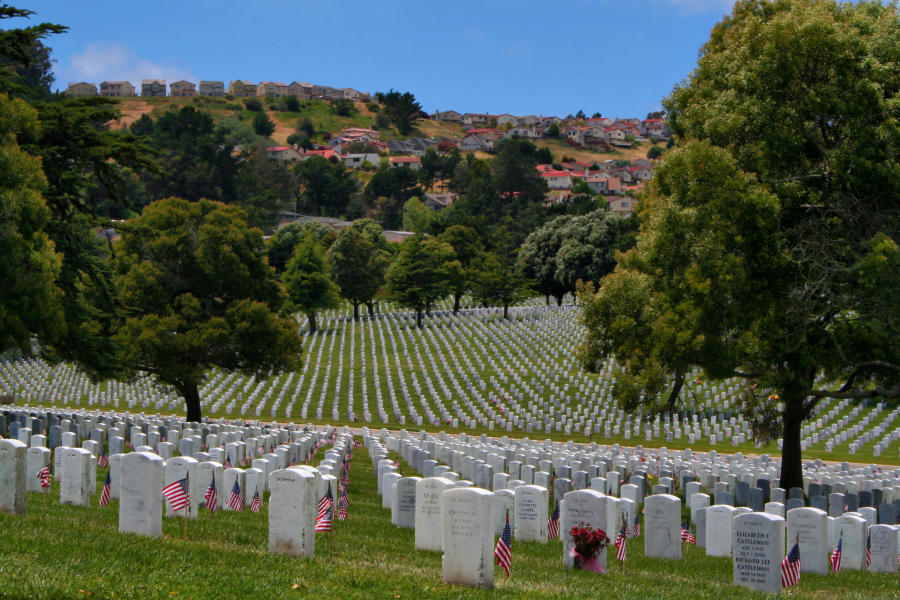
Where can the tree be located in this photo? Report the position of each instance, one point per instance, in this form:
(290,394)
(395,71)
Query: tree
(307,281)
(496,280)
(402,109)
(357,267)
(553,130)
(31,301)
(342,107)
(421,273)
(292,104)
(280,247)
(537,258)
(654,152)
(397,184)
(589,246)
(198,294)
(253,104)
(25,65)
(263,125)
(305,125)
(416,216)
(768,243)
(326,187)
(467,247)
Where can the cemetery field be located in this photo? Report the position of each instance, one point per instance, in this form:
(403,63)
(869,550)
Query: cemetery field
(77,552)
(473,372)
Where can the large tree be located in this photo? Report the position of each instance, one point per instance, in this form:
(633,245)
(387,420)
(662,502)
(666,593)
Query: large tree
(422,273)
(307,281)
(768,244)
(467,247)
(402,109)
(198,293)
(358,267)
(496,278)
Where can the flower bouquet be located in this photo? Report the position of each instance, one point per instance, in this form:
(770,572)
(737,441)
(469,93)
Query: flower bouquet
(588,543)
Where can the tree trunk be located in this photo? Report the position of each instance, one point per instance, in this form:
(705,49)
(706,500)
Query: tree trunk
(791,454)
(191,400)
(559,299)
(547,299)
(506,311)
(456,299)
(419,318)
(676,389)
(356,311)
(311,317)
(371,307)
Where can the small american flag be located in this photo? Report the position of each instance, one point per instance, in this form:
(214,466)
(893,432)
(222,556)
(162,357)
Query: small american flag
(636,528)
(685,530)
(102,460)
(105,492)
(326,511)
(343,503)
(790,567)
(621,543)
(44,476)
(227,464)
(235,498)
(836,557)
(868,550)
(503,551)
(256,503)
(210,494)
(176,493)
(553,524)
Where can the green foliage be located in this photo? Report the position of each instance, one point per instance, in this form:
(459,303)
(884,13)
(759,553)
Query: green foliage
(382,121)
(467,247)
(307,281)
(31,301)
(326,187)
(544,156)
(25,65)
(281,245)
(254,104)
(402,109)
(553,130)
(357,267)
(654,152)
(396,185)
(416,216)
(263,125)
(343,107)
(422,273)
(496,280)
(292,104)
(198,293)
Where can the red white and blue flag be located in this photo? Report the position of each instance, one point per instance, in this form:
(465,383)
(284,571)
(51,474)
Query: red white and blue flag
(553,524)
(44,476)
(102,460)
(621,544)
(177,494)
(235,498)
(326,511)
(836,557)
(503,551)
(210,494)
(790,567)
(256,503)
(105,492)
(636,528)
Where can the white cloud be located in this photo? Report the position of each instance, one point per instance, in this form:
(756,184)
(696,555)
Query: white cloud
(111,62)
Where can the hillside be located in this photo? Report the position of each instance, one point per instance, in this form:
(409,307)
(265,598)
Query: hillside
(324,120)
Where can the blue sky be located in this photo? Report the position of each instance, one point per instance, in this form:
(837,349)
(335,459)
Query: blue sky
(616,57)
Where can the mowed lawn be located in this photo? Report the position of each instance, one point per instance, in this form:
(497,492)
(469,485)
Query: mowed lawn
(77,552)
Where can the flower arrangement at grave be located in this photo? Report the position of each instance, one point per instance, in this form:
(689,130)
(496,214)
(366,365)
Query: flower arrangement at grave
(587,544)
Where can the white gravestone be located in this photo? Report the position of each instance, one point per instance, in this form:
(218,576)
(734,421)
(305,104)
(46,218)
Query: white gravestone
(884,548)
(504,504)
(583,507)
(758,550)
(292,512)
(468,537)
(179,468)
(12,476)
(75,483)
(115,469)
(532,504)
(662,526)
(429,492)
(206,470)
(36,458)
(405,491)
(853,548)
(229,476)
(140,494)
(811,524)
(719,521)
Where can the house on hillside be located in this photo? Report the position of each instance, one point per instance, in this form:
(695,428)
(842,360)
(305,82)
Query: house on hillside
(622,205)
(241,88)
(285,153)
(656,128)
(449,116)
(411,162)
(182,88)
(437,202)
(332,155)
(476,119)
(271,89)
(116,89)
(523,132)
(153,87)
(301,90)
(505,119)
(355,161)
(397,237)
(413,146)
(82,89)
(558,180)
(212,88)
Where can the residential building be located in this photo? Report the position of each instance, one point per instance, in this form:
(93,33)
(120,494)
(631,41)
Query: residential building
(438,202)
(300,89)
(153,87)
(411,162)
(271,89)
(356,161)
(622,205)
(182,89)
(241,88)
(476,119)
(557,180)
(81,89)
(451,116)
(212,88)
(116,89)
(285,153)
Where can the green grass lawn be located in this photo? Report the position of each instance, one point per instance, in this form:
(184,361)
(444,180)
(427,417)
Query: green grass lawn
(77,552)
